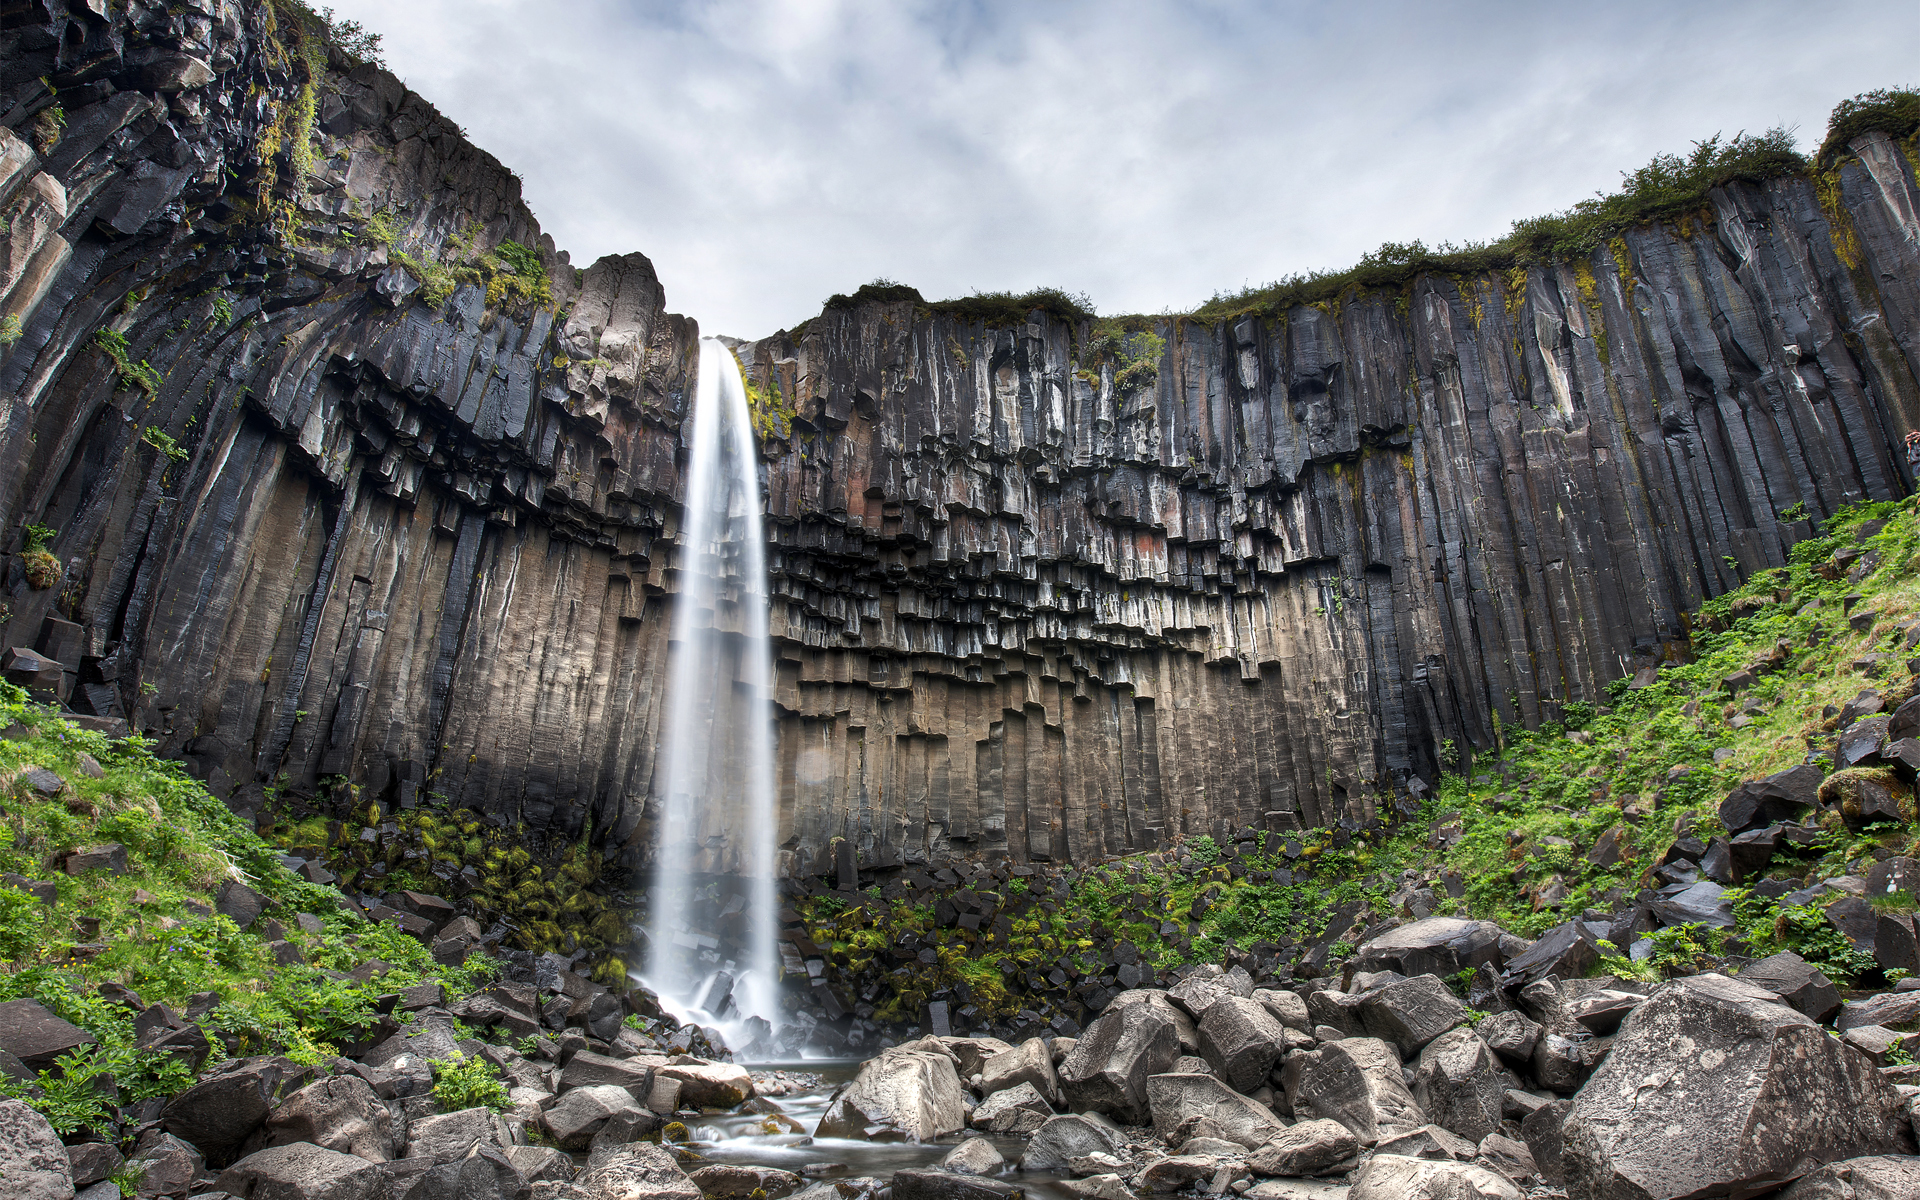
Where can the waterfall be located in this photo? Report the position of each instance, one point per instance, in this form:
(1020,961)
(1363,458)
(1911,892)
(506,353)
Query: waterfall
(718,820)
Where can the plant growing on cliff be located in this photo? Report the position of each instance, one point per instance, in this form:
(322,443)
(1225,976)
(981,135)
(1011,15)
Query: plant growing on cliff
(10,329)
(1893,111)
(132,374)
(41,567)
(162,441)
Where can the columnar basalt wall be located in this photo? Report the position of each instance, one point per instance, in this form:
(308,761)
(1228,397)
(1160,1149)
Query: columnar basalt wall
(360,496)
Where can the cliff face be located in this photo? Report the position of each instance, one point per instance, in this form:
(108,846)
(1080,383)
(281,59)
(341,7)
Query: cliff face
(379,487)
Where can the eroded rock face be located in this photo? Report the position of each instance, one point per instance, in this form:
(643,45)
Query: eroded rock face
(448,523)
(1716,1084)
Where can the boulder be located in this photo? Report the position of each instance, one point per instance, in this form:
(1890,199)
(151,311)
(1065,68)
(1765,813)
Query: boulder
(1893,1010)
(1560,1063)
(1602,1009)
(908,1090)
(444,1137)
(1567,950)
(1242,1040)
(639,1171)
(1065,1138)
(1459,1084)
(1174,1172)
(1017,1110)
(974,1156)
(91,1162)
(1511,1034)
(32,1161)
(1441,946)
(1508,1157)
(1428,1141)
(220,1112)
(972,1053)
(541,1164)
(581,1113)
(1183,1026)
(1175,1099)
(1397,1177)
(304,1172)
(733,1181)
(1545,1132)
(1307,1148)
(1357,1082)
(946,1185)
(1030,1062)
(709,1084)
(1879,1177)
(1287,1008)
(338,1113)
(1783,797)
(1107,1186)
(35,1036)
(586,1069)
(1715,1084)
(1108,1069)
(487,1173)
(1411,1013)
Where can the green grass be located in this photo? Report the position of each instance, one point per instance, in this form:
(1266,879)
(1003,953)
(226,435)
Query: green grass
(150,928)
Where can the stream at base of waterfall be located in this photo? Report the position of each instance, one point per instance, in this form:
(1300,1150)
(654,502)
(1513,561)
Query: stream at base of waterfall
(713,907)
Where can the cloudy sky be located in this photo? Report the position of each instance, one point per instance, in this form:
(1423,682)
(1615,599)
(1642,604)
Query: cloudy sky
(767,153)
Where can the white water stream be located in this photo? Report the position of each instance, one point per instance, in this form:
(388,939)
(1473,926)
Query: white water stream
(719,819)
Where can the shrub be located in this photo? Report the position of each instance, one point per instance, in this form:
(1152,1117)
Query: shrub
(467,1083)
(1894,111)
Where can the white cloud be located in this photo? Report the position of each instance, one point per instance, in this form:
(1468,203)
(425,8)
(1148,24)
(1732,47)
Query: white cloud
(765,153)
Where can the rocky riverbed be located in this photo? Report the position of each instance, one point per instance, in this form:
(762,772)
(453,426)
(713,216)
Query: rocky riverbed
(1382,1086)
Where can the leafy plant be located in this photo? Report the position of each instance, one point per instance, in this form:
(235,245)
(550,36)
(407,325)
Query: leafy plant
(467,1083)
(132,374)
(10,329)
(162,441)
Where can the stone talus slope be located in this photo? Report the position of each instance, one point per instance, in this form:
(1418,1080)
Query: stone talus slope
(422,528)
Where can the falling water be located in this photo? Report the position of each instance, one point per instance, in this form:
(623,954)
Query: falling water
(718,798)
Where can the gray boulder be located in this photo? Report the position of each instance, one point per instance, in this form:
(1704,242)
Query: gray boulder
(1287,1008)
(1357,1082)
(1397,1177)
(909,1089)
(1458,1084)
(947,1185)
(541,1164)
(1881,1177)
(1174,1099)
(1428,1141)
(1510,1158)
(1307,1148)
(338,1113)
(1411,1013)
(1070,1136)
(735,1181)
(35,1036)
(1183,1025)
(586,1069)
(486,1173)
(1017,1110)
(447,1136)
(974,1156)
(1545,1132)
(970,1054)
(1030,1062)
(580,1114)
(1511,1034)
(640,1171)
(1434,946)
(305,1172)
(1714,1084)
(1891,1010)
(1242,1040)
(221,1112)
(32,1161)
(1108,1069)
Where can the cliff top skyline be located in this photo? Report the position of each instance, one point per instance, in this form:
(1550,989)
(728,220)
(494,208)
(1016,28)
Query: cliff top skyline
(765,154)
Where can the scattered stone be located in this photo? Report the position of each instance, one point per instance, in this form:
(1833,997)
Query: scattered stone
(1511,1034)
(1069,1136)
(1796,981)
(110,857)
(1411,1013)
(337,1113)
(35,1036)
(1242,1040)
(1028,1063)
(1428,1141)
(640,1171)
(731,1181)
(1878,1177)
(946,1185)
(581,1113)
(1017,1110)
